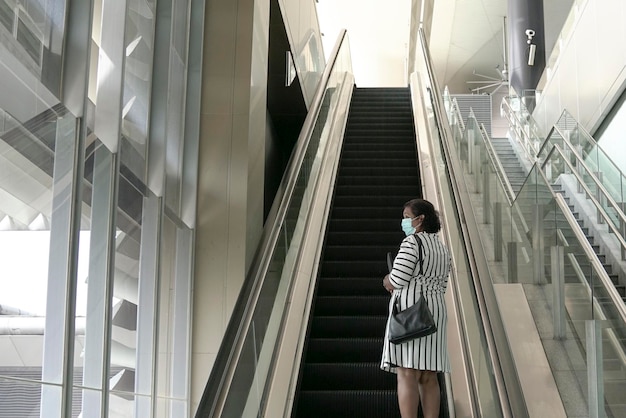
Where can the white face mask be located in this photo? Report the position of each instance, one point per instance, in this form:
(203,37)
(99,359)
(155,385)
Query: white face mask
(407,226)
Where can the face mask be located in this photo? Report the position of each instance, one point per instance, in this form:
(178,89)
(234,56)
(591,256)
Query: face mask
(407,227)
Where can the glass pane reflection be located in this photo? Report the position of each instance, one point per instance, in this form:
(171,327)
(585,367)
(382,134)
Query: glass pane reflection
(26,165)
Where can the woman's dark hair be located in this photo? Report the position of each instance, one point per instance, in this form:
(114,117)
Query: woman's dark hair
(419,207)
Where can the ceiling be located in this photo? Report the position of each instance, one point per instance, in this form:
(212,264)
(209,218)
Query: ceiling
(466,37)
(466,40)
(467,43)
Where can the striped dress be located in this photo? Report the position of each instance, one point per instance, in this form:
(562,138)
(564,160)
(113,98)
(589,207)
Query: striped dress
(430,352)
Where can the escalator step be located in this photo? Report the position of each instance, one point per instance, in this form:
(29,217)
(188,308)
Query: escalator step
(352,305)
(358,211)
(348,403)
(348,327)
(377,268)
(391,171)
(357,253)
(347,376)
(387,239)
(378,162)
(389,190)
(356,286)
(369,201)
(367,224)
(343,350)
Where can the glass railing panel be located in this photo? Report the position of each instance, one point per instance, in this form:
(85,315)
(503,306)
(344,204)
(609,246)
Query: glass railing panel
(597,174)
(613,367)
(569,288)
(246,393)
(456,126)
(586,290)
(521,214)
(568,302)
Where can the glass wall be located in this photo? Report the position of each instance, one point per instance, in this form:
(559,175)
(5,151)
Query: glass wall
(95,258)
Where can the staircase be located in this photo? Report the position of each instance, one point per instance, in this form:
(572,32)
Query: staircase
(516,175)
(513,168)
(577,300)
(340,375)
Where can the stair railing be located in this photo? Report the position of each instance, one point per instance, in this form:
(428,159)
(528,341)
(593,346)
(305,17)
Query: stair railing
(556,153)
(454,115)
(485,147)
(538,205)
(520,122)
(582,143)
(532,246)
(495,161)
(243,368)
(607,179)
(597,289)
(550,165)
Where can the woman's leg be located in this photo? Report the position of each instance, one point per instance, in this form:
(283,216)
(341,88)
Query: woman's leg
(429,391)
(408,392)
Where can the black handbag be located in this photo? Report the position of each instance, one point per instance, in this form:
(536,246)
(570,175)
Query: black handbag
(415,321)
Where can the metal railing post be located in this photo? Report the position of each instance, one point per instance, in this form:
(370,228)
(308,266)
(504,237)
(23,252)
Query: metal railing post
(622,227)
(599,197)
(595,375)
(470,151)
(497,231)
(537,240)
(512,261)
(557,263)
(486,193)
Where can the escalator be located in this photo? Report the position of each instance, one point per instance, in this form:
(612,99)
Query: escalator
(378,173)
(306,333)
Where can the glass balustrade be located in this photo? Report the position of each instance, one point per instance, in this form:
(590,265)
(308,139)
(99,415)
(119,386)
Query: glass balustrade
(599,175)
(538,243)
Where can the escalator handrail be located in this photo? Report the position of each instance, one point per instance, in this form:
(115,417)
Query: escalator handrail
(478,265)
(222,372)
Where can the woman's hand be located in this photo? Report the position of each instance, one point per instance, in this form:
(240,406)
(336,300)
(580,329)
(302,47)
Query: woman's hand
(387,284)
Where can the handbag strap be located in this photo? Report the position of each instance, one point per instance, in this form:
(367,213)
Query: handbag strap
(420,254)
(420,248)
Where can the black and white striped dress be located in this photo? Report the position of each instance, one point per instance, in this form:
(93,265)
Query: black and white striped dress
(430,352)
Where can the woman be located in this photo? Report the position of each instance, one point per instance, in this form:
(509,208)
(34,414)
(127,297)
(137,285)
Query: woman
(417,362)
